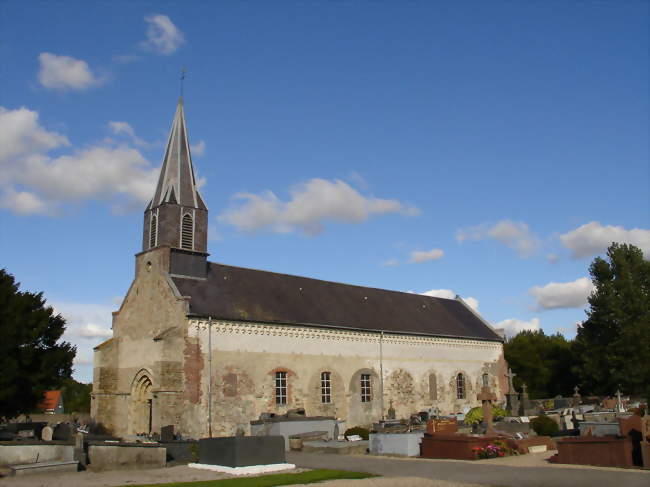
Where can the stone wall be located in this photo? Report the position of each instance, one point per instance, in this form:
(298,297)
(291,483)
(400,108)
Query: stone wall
(246,356)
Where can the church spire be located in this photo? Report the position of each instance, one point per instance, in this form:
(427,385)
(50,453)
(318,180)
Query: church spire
(177,184)
(177,215)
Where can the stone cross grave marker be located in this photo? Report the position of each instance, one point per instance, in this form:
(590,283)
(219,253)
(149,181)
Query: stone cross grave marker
(619,403)
(577,399)
(487,397)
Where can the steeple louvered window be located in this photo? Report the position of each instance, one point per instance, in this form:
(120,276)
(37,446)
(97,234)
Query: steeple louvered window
(187,232)
(153,231)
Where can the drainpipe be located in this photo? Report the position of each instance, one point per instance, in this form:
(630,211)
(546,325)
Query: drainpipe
(210,377)
(381,372)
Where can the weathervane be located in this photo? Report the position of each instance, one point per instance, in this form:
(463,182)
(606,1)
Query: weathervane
(183,73)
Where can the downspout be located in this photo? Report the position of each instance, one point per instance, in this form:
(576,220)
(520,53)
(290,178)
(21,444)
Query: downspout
(381,372)
(209,377)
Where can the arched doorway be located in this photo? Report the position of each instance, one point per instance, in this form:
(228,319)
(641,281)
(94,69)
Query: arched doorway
(141,404)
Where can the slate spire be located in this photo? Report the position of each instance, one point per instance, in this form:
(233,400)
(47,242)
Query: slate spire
(176,216)
(177,184)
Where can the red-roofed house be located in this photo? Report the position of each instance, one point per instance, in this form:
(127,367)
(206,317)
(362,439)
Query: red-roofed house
(52,402)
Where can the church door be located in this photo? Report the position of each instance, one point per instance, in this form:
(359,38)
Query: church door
(141,407)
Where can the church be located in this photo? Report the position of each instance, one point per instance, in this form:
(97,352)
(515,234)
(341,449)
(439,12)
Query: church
(208,347)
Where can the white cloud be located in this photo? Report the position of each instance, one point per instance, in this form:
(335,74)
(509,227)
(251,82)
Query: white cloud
(418,256)
(390,263)
(21,133)
(65,73)
(312,204)
(449,294)
(198,149)
(512,326)
(87,325)
(22,202)
(593,238)
(33,182)
(92,330)
(563,294)
(515,235)
(163,36)
(124,128)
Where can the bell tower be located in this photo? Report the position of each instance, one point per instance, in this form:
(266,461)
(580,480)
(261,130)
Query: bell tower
(177,217)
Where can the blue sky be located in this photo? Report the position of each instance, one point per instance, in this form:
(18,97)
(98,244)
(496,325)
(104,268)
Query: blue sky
(488,149)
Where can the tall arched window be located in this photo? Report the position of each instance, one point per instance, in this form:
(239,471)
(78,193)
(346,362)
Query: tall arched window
(433,387)
(326,387)
(187,232)
(460,386)
(153,231)
(486,380)
(281,387)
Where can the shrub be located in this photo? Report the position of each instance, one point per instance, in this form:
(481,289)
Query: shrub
(475,415)
(544,426)
(357,430)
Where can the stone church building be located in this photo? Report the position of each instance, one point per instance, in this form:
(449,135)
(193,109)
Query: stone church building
(196,340)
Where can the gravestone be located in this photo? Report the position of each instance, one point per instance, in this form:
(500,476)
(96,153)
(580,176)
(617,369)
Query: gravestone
(487,397)
(46,433)
(620,407)
(524,404)
(577,399)
(391,411)
(167,433)
(63,432)
(242,451)
(447,426)
(560,402)
(512,398)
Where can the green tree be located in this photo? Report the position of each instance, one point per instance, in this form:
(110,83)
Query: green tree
(541,361)
(613,345)
(76,396)
(32,359)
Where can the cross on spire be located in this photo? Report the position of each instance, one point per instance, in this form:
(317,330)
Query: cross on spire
(183,75)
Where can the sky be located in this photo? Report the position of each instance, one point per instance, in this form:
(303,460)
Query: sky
(486,149)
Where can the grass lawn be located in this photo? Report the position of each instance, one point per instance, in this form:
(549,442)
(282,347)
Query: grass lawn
(318,475)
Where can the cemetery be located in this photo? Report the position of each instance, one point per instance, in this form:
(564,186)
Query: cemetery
(596,431)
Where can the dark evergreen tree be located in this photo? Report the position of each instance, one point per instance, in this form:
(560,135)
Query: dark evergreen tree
(613,345)
(541,361)
(32,359)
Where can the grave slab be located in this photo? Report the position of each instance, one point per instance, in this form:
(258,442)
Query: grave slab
(242,451)
(406,444)
(44,467)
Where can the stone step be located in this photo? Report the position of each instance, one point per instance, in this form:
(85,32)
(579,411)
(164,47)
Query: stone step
(45,467)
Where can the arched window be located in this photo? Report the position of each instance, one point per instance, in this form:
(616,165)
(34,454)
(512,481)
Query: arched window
(366,390)
(153,231)
(433,387)
(486,380)
(326,387)
(281,387)
(187,232)
(460,386)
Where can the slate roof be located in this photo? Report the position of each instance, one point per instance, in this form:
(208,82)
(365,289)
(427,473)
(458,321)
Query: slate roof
(236,293)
